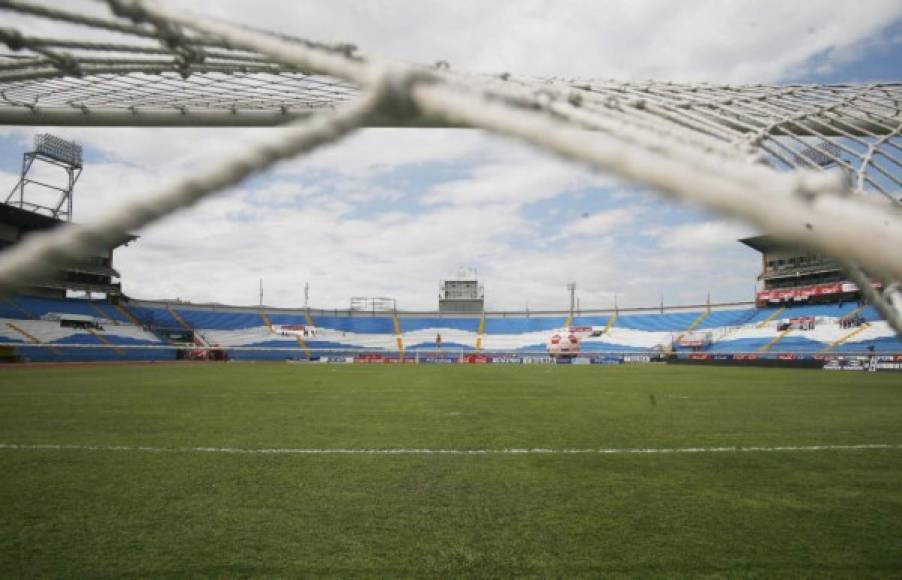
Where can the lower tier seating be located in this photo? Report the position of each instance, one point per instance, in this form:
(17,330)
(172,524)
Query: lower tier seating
(280,334)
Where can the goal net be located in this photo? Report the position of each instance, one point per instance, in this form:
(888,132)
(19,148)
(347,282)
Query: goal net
(818,166)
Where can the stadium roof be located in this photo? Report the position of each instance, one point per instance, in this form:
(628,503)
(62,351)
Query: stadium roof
(765,244)
(29,220)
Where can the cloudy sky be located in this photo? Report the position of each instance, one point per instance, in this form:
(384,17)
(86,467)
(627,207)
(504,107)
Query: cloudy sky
(390,212)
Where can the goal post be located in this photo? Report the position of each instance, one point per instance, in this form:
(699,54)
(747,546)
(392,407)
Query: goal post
(819,166)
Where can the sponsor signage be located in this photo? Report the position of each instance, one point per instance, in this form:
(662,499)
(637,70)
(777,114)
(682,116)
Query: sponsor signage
(809,291)
(507,360)
(579,329)
(607,360)
(843,365)
(438,359)
(875,363)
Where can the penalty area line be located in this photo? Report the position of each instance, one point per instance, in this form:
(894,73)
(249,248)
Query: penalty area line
(426,451)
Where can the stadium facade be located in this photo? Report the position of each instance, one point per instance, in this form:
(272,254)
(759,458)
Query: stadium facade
(46,329)
(42,324)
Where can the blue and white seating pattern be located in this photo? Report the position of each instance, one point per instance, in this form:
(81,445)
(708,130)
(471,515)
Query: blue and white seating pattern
(61,343)
(732,330)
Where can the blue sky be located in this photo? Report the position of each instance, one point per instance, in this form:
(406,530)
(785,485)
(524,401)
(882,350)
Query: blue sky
(391,212)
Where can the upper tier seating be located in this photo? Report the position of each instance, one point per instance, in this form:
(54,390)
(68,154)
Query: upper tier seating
(357,324)
(222,320)
(11,310)
(820,310)
(154,316)
(522,324)
(732,330)
(722,318)
(590,321)
(38,307)
(667,322)
(414,324)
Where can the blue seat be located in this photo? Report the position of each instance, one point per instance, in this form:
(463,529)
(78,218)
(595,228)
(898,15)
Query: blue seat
(667,322)
(154,316)
(413,324)
(590,320)
(522,324)
(219,319)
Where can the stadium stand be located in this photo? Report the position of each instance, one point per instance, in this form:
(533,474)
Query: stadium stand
(154,316)
(102,331)
(676,322)
(28,335)
(214,319)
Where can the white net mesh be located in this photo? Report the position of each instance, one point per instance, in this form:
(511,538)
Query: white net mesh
(815,165)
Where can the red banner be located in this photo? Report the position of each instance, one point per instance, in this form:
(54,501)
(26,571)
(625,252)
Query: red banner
(809,291)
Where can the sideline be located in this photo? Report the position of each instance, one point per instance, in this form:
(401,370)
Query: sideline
(424,451)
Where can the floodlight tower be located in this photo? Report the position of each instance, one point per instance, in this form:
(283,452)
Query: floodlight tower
(33,194)
(571,288)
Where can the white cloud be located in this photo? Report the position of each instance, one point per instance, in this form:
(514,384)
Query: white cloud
(702,236)
(517,180)
(604,223)
(736,41)
(301,222)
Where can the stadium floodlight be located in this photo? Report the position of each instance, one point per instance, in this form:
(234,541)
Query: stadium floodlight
(736,150)
(40,195)
(54,147)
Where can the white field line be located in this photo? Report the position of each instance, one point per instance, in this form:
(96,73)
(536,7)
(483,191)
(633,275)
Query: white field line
(423,451)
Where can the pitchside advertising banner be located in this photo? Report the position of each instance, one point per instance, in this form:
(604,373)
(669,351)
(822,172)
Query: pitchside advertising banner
(865,363)
(876,362)
(505,359)
(885,362)
(809,291)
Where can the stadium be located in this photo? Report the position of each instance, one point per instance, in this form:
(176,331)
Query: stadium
(755,437)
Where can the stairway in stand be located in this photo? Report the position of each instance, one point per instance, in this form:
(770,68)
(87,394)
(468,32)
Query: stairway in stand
(480,330)
(127,314)
(396,325)
(178,317)
(846,337)
(774,340)
(103,340)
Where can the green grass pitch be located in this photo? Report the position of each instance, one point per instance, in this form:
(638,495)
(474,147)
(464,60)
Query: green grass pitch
(130,513)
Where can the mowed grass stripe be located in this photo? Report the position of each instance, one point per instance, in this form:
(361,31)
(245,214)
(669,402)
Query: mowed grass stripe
(354,407)
(423,451)
(175,514)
